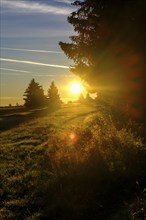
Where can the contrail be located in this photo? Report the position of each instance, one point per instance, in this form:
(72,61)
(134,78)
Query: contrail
(27,50)
(23,71)
(33,63)
(14,70)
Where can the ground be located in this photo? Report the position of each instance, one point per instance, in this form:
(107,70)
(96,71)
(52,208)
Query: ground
(77,162)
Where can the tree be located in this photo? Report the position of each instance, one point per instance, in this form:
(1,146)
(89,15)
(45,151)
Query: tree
(81,98)
(109,48)
(34,95)
(53,96)
(88,99)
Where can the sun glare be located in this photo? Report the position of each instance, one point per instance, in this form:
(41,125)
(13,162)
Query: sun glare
(76,88)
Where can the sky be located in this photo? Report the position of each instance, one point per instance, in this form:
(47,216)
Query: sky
(29,37)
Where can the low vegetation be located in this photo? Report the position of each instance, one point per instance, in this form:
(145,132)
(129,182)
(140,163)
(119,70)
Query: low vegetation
(79,162)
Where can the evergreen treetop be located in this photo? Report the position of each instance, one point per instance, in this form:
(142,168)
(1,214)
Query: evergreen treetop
(53,96)
(34,95)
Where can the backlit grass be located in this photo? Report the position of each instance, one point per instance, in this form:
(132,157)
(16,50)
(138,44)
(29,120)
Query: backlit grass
(75,163)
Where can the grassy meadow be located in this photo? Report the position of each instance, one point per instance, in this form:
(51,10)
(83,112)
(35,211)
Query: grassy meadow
(80,162)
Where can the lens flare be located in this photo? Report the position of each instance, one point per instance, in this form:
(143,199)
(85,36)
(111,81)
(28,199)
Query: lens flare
(72,136)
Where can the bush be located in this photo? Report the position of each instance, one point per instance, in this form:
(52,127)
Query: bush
(96,170)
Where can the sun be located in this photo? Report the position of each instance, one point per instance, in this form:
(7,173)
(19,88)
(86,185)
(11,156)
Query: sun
(76,88)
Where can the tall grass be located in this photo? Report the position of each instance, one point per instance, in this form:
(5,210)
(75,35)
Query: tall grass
(97,171)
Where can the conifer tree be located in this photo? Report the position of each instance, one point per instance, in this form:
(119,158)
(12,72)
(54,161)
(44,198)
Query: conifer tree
(108,49)
(34,95)
(81,98)
(88,98)
(105,32)
(53,96)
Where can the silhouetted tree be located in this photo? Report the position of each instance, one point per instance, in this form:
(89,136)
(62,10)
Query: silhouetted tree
(109,48)
(88,98)
(53,96)
(81,98)
(34,95)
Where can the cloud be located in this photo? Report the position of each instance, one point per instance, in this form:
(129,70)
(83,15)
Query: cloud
(33,63)
(64,1)
(33,7)
(36,51)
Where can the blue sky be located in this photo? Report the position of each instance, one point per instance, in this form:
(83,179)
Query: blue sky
(30,32)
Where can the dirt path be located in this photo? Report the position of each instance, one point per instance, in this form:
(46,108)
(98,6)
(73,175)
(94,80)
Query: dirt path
(68,116)
(72,116)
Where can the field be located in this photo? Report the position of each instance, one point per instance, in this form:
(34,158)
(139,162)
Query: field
(80,162)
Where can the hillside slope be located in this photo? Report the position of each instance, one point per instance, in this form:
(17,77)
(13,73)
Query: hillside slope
(75,163)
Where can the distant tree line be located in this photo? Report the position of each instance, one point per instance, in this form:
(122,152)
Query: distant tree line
(87,99)
(34,96)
